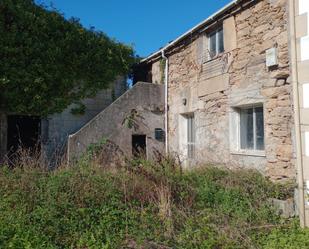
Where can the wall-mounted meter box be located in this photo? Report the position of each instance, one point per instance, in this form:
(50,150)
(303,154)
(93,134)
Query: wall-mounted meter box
(159,134)
(271,57)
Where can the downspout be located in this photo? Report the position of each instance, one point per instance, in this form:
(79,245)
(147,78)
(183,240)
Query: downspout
(299,158)
(166,101)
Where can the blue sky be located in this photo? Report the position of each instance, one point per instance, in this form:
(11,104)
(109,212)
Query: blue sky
(146,24)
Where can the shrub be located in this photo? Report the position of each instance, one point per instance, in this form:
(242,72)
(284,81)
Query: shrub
(142,205)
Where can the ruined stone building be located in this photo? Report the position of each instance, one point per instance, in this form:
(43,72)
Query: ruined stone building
(232,91)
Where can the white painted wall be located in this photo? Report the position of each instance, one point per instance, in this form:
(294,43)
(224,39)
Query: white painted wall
(304,41)
(307,143)
(306,95)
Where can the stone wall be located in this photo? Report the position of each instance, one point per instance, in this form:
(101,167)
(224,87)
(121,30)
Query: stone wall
(145,101)
(243,79)
(156,72)
(56,128)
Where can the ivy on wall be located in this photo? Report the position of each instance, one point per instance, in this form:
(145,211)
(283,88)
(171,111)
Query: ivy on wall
(162,70)
(48,62)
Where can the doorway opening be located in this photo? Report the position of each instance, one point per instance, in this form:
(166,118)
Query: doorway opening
(23,132)
(139,146)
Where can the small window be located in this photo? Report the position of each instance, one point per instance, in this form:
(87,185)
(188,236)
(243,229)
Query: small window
(216,43)
(252,128)
(190,136)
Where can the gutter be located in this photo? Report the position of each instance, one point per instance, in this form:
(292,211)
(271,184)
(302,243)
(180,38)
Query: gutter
(195,28)
(165,100)
(299,158)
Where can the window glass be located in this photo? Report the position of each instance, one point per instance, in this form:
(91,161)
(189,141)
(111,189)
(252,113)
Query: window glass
(252,129)
(191,136)
(216,42)
(259,128)
(246,129)
(220,41)
(212,45)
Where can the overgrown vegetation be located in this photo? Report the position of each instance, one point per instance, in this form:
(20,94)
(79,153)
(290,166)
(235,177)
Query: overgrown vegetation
(142,205)
(48,62)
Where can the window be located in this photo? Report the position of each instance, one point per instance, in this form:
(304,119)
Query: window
(190,136)
(252,128)
(216,42)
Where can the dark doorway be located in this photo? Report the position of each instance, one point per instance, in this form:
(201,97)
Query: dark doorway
(142,72)
(23,131)
(139,145)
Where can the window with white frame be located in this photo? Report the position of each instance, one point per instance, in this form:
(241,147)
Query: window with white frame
(251,128)
(190,136)
(215,42)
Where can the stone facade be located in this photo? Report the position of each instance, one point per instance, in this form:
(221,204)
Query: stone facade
(213,90)
(142,105)
(300,67)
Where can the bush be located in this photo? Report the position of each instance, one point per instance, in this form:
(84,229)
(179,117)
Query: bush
(142,205)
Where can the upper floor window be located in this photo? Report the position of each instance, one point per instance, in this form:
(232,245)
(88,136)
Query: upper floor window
(216,42)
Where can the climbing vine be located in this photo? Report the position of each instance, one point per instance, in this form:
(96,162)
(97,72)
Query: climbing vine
(49,62)
(132,120)
(162,70)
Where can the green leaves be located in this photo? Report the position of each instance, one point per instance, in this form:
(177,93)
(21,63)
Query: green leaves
(48,62)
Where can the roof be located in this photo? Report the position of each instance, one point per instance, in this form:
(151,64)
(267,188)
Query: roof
(195,28)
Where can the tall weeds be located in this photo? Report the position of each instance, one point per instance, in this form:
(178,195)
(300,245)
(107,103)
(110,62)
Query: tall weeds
(140,204)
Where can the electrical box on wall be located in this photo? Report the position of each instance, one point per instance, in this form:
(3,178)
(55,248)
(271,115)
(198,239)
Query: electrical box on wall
(159,134)
(271,57)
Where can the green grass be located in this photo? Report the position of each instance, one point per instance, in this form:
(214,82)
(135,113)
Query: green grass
(145,205)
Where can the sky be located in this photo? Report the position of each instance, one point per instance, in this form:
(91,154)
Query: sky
(146,24)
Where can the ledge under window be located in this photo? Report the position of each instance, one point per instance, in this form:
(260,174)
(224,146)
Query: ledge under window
(214,58)
(255,153)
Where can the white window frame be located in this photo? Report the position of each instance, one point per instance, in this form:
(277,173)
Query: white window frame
(191,130)
(216,32)
(187,146)
(235,131)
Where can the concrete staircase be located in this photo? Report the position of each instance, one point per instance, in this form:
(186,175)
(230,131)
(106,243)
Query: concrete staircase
(146,99)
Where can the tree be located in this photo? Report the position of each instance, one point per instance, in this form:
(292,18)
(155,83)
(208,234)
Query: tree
(48,62)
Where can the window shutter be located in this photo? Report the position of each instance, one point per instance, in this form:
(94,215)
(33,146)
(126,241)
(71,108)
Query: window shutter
(229,33)
(200,50)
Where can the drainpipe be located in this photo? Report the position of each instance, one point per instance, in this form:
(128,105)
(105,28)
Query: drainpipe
(299,158)
(166,101)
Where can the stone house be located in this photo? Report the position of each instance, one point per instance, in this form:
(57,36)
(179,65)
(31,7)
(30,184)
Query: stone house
(231,91)
(227,106)
(237,91)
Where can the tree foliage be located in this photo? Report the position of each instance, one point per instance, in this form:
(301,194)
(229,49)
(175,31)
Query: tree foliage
(48,62)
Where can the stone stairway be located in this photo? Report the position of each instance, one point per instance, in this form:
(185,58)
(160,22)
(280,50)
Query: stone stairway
(146,100)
